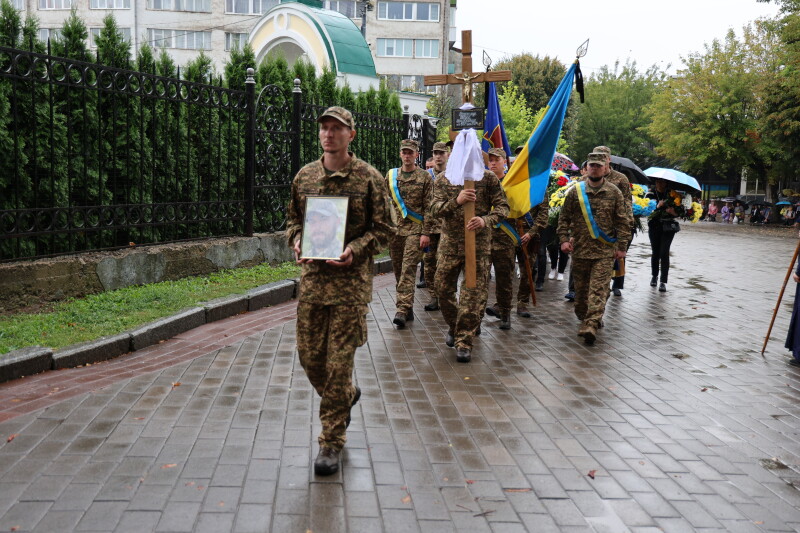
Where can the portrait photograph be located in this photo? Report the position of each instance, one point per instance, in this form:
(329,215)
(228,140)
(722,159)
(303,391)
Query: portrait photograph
(324,227)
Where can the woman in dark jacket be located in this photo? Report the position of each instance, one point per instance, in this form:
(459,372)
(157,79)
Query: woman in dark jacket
(661,228)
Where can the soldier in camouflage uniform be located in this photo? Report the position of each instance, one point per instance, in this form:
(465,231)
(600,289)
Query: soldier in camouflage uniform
(440,154)
(491,206)
(414,190)
(505,252)
(623,183)
(592,258)
(333,294)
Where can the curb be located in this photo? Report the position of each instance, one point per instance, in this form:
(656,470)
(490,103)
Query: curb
(35,359)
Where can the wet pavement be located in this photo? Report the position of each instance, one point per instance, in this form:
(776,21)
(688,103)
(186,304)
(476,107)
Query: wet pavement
(672,421)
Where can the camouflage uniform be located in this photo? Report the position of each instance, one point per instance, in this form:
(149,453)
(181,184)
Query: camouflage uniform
(504,255)
(416,189)
(491,204)
(593,260)
(331,313)
(429,258)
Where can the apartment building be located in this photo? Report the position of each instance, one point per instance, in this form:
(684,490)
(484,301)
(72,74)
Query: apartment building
(407,39)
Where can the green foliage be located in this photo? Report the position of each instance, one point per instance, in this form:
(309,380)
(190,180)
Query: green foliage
(613,114)
(72,43)
(237,65)
(535,78)
(10,25)
(710,116)
(517,117)
(112,49)
(113,312)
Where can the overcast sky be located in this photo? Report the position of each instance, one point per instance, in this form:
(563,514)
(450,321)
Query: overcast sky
(649,31)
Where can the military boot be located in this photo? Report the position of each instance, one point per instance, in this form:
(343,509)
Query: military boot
(493,310)
(522,310)
(433,306)
(410,315)
(463,355)
(505,320)
(400,319)
(589,334)
(327,462)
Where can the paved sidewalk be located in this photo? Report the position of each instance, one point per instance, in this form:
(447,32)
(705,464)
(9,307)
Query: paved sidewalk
(674,412)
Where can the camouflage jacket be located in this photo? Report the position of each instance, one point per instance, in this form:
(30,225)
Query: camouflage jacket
(539,214)
(624,185)
(490,204)
(608,209)
(369,228)
(416,189)
(434,223)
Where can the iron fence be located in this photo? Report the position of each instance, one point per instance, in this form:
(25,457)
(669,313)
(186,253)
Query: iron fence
(95,158)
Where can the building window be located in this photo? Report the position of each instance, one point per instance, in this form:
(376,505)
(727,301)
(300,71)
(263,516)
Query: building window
(203,6)
(94,33)
(426,48)
(248,7)
(414,83)
(345,7)
(395,47)
(49,33)
(18,4)
(425,11)
(235,40)
(110,4)
(189,40)
(55,4)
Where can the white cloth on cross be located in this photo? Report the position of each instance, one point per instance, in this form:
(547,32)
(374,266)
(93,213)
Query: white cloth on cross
(466,160)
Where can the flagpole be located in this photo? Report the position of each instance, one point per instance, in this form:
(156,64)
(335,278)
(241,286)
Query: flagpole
(527,262)
(780,297)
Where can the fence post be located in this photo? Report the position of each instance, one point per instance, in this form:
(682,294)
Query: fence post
(406,122)
(297,103)
(249,151)
(426,146)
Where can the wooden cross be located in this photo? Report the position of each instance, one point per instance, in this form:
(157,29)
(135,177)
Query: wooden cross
(467,78)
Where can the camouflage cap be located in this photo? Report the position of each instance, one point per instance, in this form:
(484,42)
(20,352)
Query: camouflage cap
(602,149)
(324,208)
(409,144)
(440,147)
(341,114)
(596,157)
(497,152)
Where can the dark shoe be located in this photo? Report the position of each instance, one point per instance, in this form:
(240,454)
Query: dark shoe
(522,311)
(478,332)
(400,319)
(588,333)
(433,306)
(450,339)
(570,296)
(493,311)
(601,325)
(356,397)
(463,355)
(662,287)
(422,284)
(653,281)
(410,315)
(617,292)
(505,321)
(539,286)
(794,362)
(327,462)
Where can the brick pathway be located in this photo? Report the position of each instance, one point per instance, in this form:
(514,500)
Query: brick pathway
(682,423)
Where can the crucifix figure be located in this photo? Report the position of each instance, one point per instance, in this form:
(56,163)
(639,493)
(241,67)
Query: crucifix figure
(466,78)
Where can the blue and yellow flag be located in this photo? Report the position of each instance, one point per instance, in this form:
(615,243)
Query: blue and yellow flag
(494,132)
(528,177)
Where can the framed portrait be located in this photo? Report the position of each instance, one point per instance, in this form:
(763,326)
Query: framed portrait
(323,227)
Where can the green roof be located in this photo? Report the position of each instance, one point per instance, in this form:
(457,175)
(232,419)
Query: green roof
(348,51)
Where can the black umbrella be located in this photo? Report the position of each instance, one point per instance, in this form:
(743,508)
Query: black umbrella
(759,202)
(630,169)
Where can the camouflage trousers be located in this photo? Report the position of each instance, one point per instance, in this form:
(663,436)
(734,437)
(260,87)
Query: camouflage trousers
(463,316)
(327,338)
(504,262)
(592,277)
(429,259)
(406,255)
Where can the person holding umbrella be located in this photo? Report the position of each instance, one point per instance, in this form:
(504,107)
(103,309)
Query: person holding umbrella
(661,228)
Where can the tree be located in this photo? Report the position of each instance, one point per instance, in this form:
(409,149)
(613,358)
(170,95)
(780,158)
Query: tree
(236,67)
(709,117)
(112,48)
(535,78)
(613,114)
(517,117)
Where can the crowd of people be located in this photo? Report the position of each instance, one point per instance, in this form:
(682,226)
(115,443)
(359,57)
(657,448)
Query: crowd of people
(757,213)
(419,215)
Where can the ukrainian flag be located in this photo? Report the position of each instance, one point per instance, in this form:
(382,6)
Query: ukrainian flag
(527,179)
(494,132)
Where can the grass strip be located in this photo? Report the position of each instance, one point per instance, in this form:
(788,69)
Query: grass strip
(112,312)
